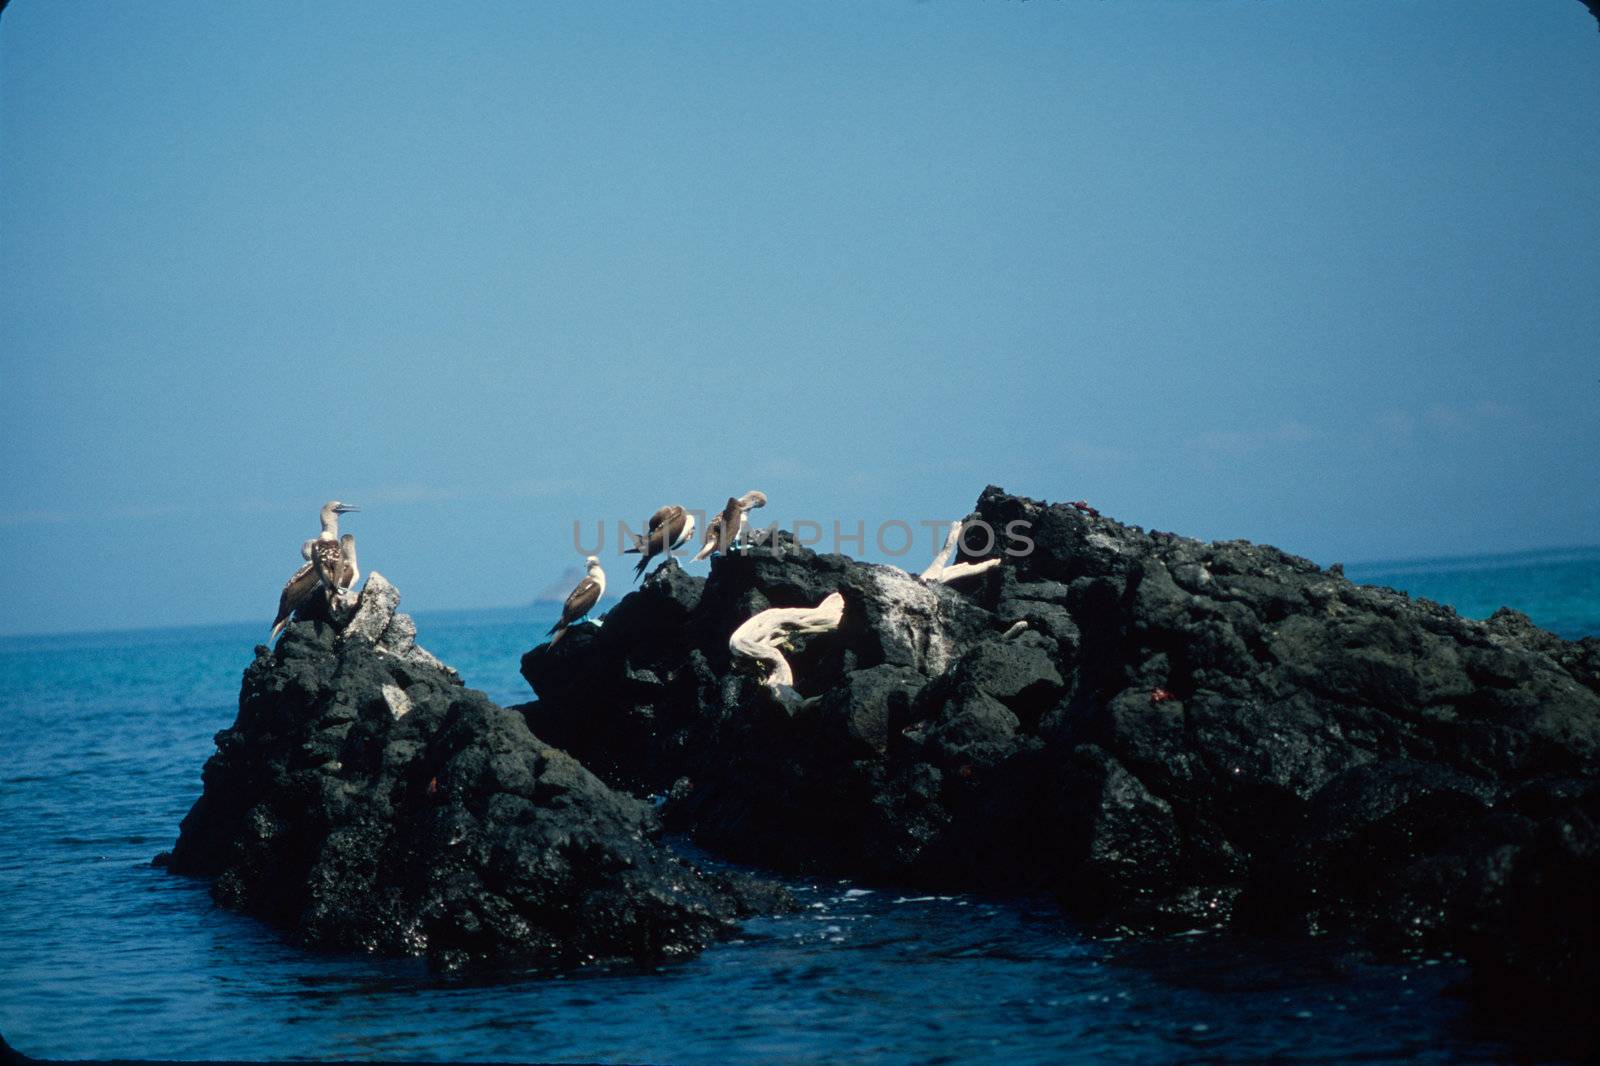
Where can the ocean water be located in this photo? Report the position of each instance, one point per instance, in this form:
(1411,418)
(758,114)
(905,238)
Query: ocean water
(1559,590)
(101,955)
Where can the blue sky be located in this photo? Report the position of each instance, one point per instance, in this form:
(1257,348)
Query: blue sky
(1319,275)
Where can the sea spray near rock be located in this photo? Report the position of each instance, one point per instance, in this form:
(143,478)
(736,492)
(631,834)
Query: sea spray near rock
(1186,733)
(365,799)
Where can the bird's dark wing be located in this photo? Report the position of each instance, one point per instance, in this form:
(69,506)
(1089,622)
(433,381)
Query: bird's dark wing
(730,525)
(582,600)
(678,527)
(659,538)
(664,536)
(295,592)
(643,542)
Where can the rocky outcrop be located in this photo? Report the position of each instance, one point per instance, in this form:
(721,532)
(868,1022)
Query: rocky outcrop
(1182,733)
(365,799)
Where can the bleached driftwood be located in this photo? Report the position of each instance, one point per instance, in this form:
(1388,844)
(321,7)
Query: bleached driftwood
(764,634)
(943,574)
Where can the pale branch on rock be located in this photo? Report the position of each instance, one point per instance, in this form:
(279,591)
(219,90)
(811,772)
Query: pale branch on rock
(941,573)
(763,635)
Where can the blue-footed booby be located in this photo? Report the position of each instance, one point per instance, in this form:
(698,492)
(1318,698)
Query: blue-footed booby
(582,599)
(326,564)
(670,529)
(330,525)
(727,529)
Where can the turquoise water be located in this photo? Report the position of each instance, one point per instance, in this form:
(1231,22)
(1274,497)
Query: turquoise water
(101,955)
(1559,590)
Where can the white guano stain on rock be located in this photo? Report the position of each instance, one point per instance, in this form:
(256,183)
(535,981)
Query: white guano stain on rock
(911,611)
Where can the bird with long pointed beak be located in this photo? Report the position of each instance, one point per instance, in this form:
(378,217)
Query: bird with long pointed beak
(582,599)
(725,532)
(671,527)
(330,525)
(325,565)
(736,520)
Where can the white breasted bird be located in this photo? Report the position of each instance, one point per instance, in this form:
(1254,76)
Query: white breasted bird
(583,599)
(670,529)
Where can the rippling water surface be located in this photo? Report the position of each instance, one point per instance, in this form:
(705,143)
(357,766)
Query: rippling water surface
(101,955)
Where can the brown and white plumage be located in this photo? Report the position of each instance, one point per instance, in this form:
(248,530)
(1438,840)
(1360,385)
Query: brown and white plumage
(730,526)
(330,563)
(670,528)
(733,520)
(327,557)
(343,600)
(349,571)
(583,598)
(329,518)
(297,591)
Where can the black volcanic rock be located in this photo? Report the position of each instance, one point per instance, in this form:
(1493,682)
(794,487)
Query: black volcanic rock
(364,799)
(1183,733)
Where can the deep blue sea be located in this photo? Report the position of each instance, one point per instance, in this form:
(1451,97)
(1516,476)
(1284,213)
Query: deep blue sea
(101,955)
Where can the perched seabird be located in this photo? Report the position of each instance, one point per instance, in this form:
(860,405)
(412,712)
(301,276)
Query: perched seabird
(670,529)
(732,517)
(583,598)
(735,519)
(330,525)
(326,565)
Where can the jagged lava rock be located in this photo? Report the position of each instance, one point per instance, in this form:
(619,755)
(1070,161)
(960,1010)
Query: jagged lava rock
(365,799)
(1185,733)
